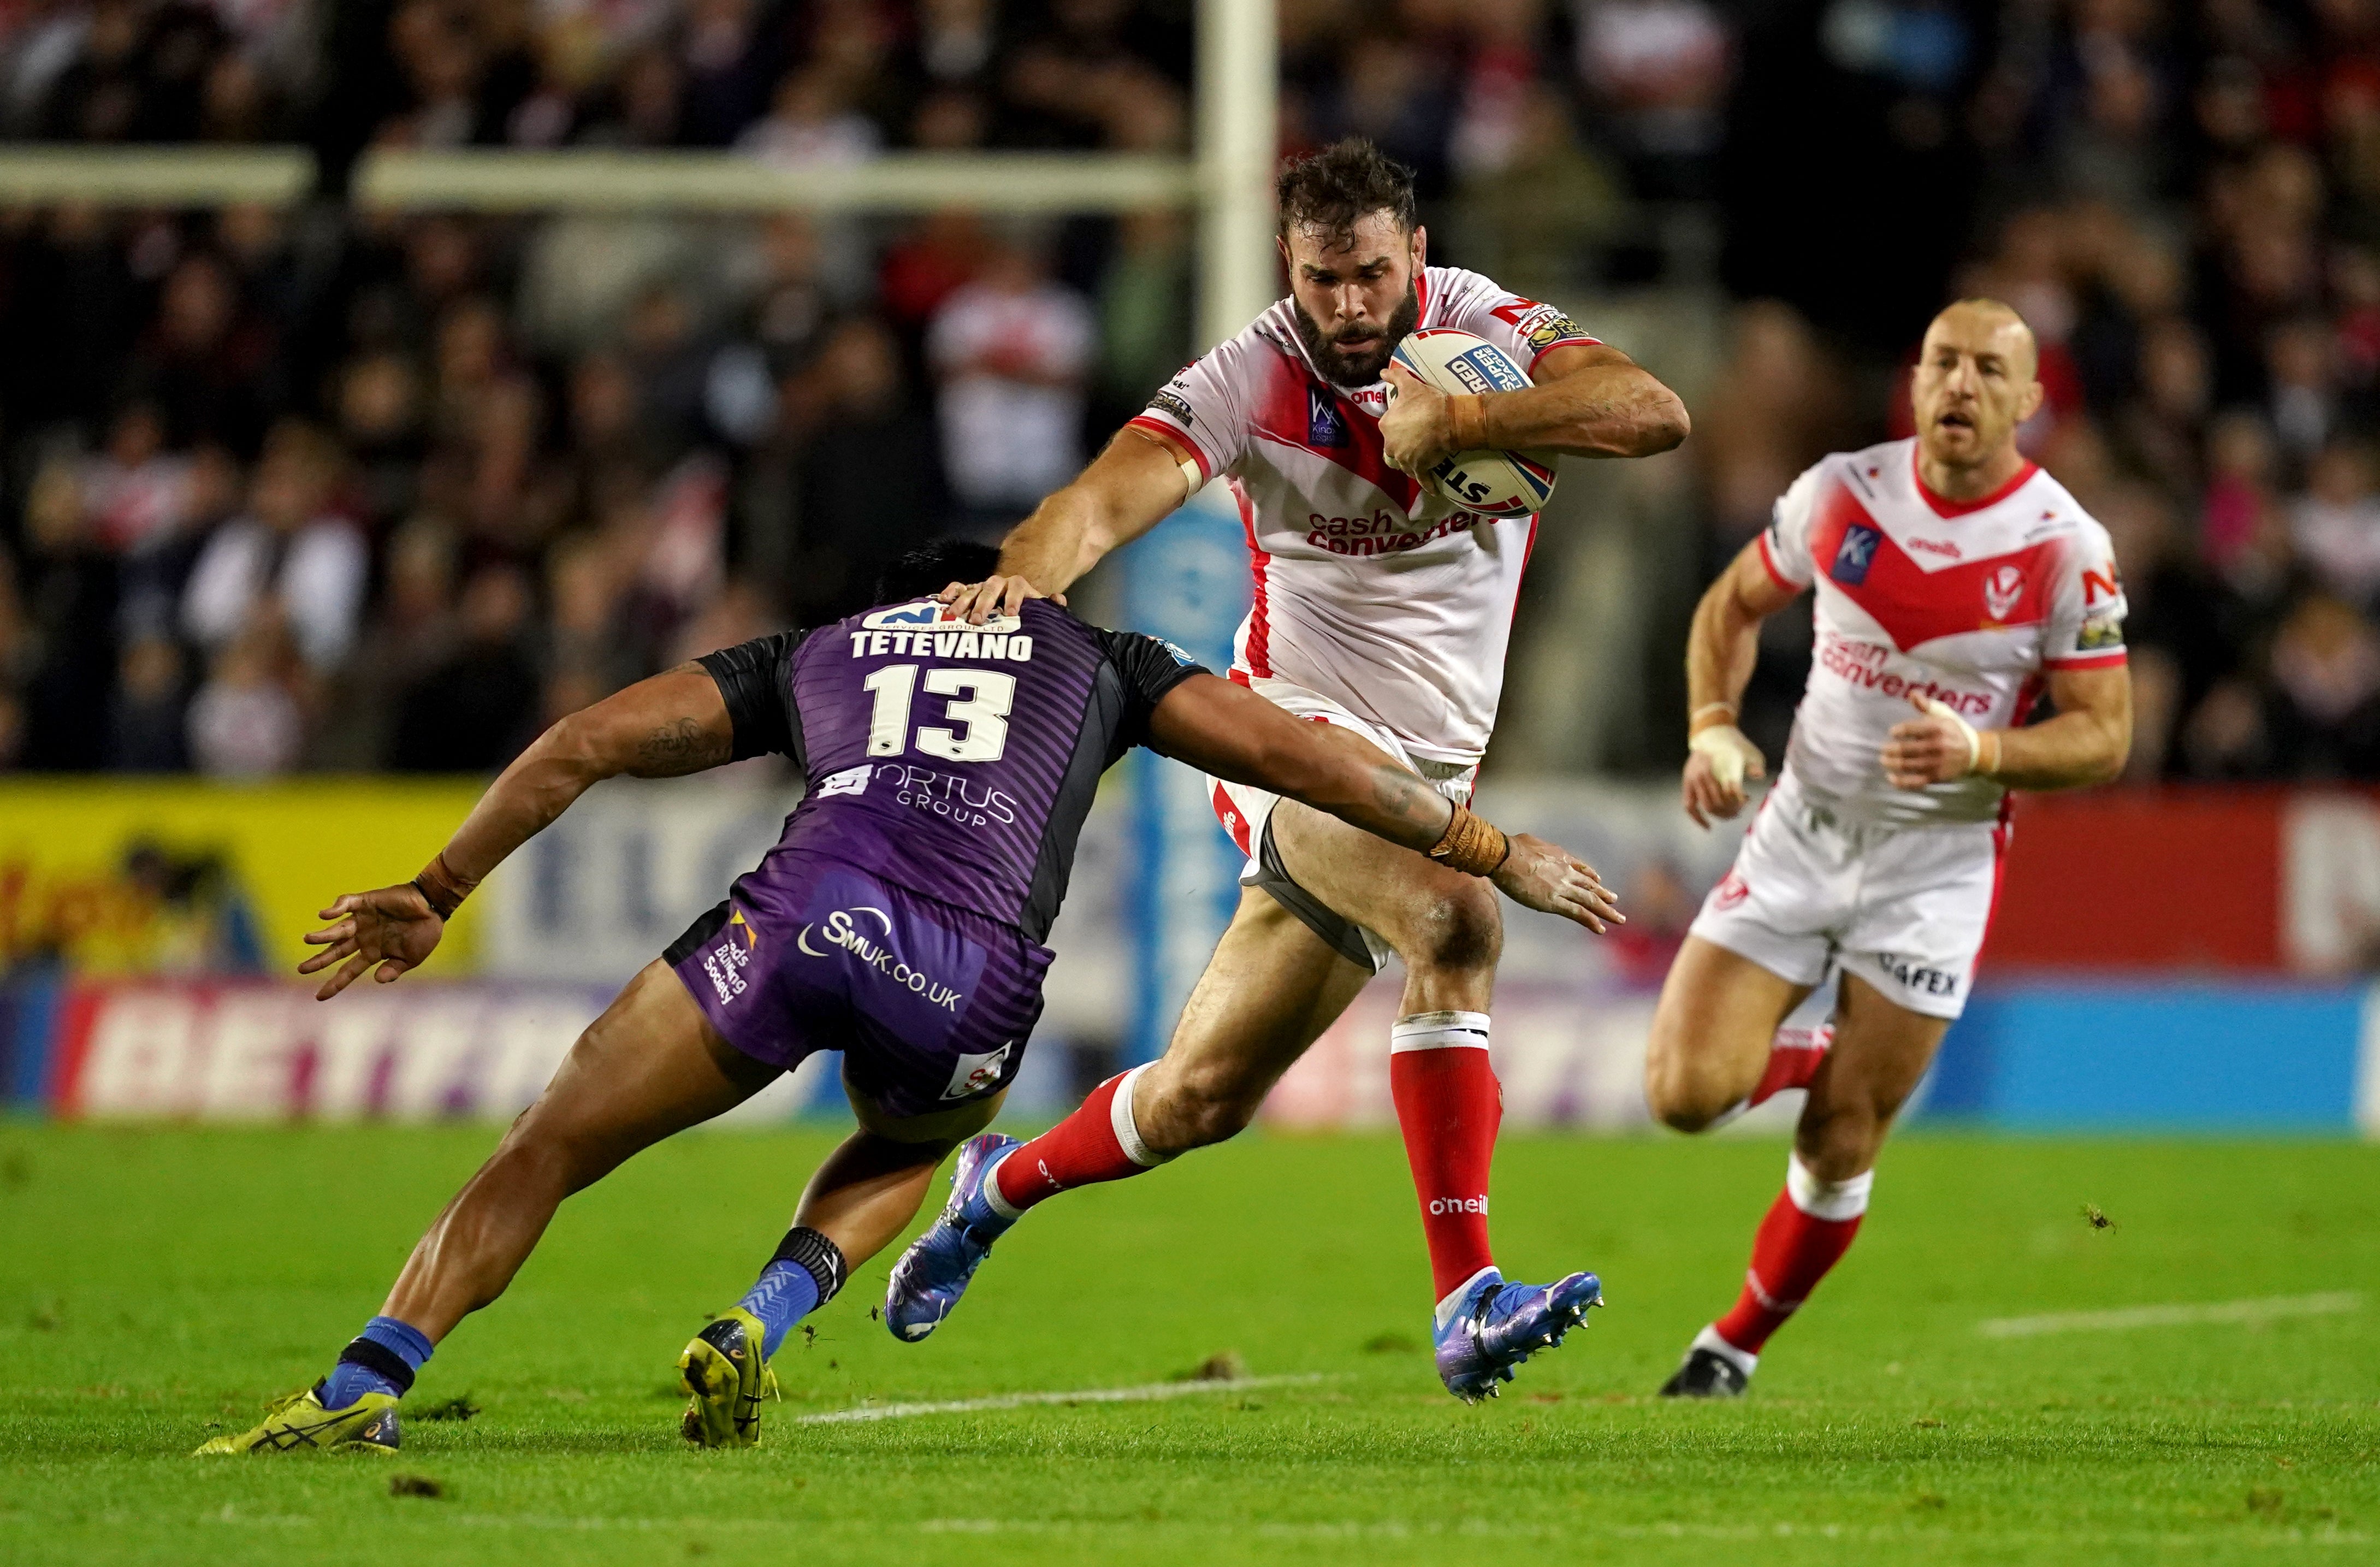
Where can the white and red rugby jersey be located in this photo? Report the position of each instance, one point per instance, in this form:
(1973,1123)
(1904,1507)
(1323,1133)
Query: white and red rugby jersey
(1369,590)
(1967,602)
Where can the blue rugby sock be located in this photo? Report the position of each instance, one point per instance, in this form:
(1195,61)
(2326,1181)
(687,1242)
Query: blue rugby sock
(383,1358)
(784,1295)
(804,1275)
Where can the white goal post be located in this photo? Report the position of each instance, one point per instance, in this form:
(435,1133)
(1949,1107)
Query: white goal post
(1229,182)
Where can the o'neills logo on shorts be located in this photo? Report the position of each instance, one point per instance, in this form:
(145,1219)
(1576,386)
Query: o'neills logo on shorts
(839,930)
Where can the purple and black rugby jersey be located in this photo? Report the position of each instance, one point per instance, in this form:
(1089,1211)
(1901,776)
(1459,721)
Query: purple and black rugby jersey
(956,761)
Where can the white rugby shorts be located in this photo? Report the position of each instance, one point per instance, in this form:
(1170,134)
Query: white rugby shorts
(1245,812)
(1903,907)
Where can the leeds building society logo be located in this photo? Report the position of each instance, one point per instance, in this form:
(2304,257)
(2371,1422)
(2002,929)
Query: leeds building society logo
(2002,589)
(839,930)
(725,962)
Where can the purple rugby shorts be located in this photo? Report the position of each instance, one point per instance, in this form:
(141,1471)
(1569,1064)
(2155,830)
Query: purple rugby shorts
(931,1004)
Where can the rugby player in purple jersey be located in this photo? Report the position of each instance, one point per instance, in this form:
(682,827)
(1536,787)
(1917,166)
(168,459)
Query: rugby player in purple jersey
(899,920)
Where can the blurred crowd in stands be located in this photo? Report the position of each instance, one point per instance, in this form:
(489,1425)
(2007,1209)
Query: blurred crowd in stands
(330,488)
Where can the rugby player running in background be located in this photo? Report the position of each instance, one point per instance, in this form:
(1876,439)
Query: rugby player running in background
(1383,611)
(1953,579)
(899,920)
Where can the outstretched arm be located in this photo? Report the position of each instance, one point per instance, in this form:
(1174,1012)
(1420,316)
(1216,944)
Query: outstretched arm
(1591,401)
(1127,490)
(675,722)
(1720,650)
(1232,733)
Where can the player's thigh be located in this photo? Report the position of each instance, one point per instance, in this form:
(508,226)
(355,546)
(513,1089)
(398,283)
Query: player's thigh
(1429,913)
(650,1066)
(1270,990)
(1881,1050)
(1711,1031)
(946,1128)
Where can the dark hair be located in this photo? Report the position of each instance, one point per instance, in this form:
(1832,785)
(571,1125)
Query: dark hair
(929,568)
(1345,182)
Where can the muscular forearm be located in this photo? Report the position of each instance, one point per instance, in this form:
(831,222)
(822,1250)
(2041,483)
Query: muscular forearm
(1721,649)
(2066,752)
(1058,543)
(671,724)
(1121,496)
(1603,411)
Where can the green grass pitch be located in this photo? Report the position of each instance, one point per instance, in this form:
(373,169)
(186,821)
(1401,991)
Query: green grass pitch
(155,1284)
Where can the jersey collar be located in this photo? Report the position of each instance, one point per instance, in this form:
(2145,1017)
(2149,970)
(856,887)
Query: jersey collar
(1943,506)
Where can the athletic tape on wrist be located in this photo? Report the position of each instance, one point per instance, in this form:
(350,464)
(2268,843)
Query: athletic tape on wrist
(1966,732)
(1466,421)
(820,1257)
(1471,845)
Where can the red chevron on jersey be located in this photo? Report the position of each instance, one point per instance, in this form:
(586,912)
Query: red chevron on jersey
(1286,415)
(1913,604)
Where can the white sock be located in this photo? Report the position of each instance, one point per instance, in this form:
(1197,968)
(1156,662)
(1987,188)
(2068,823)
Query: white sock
(1742,1360)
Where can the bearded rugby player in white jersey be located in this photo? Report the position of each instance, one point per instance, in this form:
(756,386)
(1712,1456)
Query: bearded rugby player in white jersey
(1955,582)
(1378,607)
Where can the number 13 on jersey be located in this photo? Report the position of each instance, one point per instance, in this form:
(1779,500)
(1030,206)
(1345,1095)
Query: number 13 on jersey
(981,699)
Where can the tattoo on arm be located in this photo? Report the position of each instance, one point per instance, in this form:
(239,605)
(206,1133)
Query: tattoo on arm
(1411,803)
(677,747)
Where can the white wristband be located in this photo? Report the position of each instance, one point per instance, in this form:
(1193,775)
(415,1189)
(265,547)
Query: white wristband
(1193,476)
(1966,730)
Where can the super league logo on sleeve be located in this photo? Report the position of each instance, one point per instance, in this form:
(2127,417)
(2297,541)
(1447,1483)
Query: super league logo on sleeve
(1855,554)
(1324,426)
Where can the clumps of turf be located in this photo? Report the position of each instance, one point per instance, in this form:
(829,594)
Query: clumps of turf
(1224,1365)
(47,1318)
(2096,1218)
(459,1407)
(415,1485)
(1390,1344)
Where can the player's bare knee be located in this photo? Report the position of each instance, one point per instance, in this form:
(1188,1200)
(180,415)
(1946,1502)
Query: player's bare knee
(1837,1142)
(1459,931)
(1685,1095)
(1193,1109)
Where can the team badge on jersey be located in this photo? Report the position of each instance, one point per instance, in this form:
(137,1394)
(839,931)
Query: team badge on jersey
(2100,631)
(2002,589)
(1855,554)
(1324,426)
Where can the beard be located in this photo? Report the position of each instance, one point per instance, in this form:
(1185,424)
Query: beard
(1364,367)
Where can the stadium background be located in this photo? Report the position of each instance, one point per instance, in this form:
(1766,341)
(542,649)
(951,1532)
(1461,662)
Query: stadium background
(321,493)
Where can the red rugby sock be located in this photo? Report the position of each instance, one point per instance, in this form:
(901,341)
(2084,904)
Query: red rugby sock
(1808,1229)
(1449,1106)
(1097,1143)
(1794,1057)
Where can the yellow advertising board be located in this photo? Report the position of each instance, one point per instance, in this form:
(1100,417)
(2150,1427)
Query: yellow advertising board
(139,877)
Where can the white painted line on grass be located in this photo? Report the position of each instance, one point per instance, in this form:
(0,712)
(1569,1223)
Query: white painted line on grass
(2176,1316)
(1019,1400)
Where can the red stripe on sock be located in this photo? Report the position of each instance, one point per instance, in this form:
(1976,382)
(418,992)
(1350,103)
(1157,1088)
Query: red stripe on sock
(1081,1150)
(1790,1254)
(1449,1106)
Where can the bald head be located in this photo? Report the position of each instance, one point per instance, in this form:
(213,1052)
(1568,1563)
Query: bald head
(1977,380)
(1980,321)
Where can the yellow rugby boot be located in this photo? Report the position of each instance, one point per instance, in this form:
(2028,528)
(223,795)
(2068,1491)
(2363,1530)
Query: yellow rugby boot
(724,1372)
(299,1423)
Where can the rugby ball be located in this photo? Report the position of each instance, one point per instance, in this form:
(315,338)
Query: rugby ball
(1499,484)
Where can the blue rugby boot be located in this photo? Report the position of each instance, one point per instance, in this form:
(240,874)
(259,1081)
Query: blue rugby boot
(932,1274)
(1496,1326)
